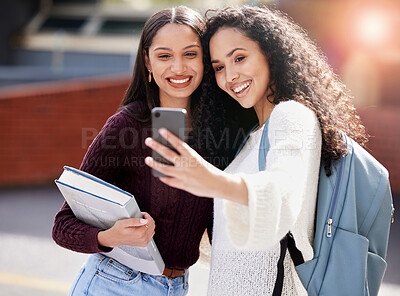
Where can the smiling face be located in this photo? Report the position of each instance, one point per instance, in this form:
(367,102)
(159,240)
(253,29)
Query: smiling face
(176,62)
(241,69)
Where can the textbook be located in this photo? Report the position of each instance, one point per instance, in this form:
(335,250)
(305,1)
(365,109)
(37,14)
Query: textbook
(101,204)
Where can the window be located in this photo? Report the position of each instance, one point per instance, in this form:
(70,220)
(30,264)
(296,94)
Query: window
(121,27)
(72,25)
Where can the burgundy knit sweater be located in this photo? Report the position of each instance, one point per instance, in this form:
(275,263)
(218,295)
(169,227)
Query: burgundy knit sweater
(117,156)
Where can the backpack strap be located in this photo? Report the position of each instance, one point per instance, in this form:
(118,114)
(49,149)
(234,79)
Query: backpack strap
(280,272)
(264,147)
(287,243)
(262,163)
(295,253)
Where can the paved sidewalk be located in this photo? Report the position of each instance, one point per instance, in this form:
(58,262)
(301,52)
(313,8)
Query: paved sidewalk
(32,264)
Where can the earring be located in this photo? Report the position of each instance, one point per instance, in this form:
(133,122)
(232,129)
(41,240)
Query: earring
(149,76)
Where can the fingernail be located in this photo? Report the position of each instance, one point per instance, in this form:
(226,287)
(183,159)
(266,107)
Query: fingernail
(162,131)
(148,160)
(143,221)
(148,141)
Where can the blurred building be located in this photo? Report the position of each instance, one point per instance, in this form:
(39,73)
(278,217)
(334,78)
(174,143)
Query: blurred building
(65,67)
(46,40)
(46,124)
(60,39)
(360,39)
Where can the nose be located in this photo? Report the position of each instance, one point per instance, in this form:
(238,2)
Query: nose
(178,66)
(230,74)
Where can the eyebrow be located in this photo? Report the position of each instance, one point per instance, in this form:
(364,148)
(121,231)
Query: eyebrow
(169,49)
(229,54)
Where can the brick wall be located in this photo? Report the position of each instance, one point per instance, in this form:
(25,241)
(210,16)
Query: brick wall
(46,126)
(383,125)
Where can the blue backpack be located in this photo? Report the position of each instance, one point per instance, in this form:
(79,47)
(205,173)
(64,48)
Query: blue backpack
(354,213)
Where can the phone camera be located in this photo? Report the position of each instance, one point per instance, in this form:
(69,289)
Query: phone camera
(157,114)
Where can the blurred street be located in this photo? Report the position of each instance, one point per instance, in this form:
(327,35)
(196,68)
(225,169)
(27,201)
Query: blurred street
(32,264)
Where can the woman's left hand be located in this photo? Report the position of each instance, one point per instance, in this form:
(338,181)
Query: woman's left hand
(190,171)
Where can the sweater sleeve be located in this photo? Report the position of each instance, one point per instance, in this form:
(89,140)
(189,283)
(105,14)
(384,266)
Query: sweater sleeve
(101,161)
(283,197)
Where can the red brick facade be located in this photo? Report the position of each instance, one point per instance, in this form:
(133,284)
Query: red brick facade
(47,126)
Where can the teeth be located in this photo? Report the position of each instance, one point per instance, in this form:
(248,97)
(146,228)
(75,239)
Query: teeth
(179,81)
(240,88)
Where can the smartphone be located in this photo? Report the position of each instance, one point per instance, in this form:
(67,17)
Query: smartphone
(174,120)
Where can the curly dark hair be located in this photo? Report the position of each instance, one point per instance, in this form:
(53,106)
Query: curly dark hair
(299,71)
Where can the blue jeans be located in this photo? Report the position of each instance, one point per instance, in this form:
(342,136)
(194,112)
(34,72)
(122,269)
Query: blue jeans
(103,276)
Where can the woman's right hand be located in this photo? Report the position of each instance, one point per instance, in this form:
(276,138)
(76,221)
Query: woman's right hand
(130,231)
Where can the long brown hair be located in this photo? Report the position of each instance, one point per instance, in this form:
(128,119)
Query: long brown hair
(140,90)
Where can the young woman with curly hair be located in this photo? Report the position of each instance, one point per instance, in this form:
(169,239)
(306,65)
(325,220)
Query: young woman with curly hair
(267,63)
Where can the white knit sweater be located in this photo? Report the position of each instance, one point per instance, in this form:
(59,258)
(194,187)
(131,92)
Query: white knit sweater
(246,239)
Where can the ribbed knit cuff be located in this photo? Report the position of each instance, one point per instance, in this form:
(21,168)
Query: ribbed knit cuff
(237,223)
(94,245)
(262,210)
(249,227)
